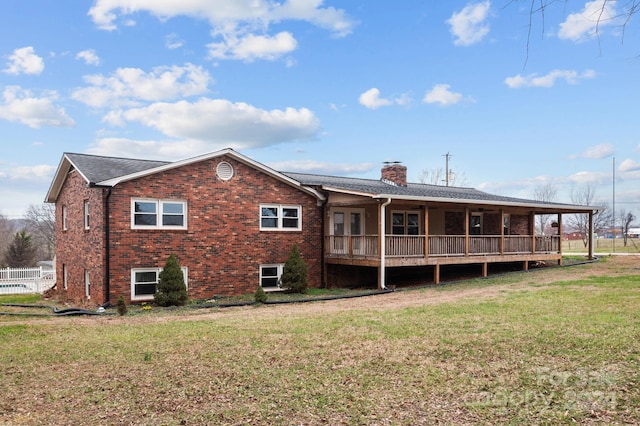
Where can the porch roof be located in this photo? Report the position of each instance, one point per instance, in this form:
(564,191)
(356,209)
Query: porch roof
(373,188)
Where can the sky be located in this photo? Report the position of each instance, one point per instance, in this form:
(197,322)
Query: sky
(330,87)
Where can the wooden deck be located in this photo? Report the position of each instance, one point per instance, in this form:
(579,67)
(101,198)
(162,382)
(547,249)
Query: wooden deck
(416,250)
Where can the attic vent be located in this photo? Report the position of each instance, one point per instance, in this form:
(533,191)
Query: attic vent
(224,170)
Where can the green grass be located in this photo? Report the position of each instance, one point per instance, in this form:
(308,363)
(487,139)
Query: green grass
(603,245)
(560,353)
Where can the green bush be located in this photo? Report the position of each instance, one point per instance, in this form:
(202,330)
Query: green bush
(172,290)
(294,274)
(121,306)
(260,296)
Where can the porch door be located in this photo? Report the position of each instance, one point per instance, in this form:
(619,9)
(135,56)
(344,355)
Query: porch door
(347,224)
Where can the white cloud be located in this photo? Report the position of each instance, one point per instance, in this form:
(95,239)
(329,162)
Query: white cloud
(372,100)
(128,86)
(89,57)
(22,106)
(252,47)
(173,41)
(597,152)
(469,25)
(629,165)
(38,173)
(218,122)
(24,61)
(240,28)
(548,80)
(589,21)
(583,178)
(157,150)
(320,167)
(440,94)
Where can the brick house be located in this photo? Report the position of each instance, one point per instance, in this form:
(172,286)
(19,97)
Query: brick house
(232,222)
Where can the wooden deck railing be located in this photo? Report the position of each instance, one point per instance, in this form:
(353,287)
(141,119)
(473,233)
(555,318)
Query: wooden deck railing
(439,245)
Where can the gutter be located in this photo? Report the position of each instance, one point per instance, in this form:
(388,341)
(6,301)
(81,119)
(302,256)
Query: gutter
(383,243)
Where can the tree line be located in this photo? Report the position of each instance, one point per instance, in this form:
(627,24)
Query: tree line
(26,241)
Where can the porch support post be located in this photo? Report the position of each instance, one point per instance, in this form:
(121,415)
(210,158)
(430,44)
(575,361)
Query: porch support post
(532,229)
(426,231)
(382,222)
(501,232)
(591,235)
(560,238)
(485,269)
(525,266)
(436,273)
(466,231)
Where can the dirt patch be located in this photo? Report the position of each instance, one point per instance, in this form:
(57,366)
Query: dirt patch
(445,293)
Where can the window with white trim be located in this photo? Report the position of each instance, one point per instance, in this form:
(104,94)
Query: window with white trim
(158,214)
(270,276)
(144,282)
(86,214)
(87,285)
(280,217)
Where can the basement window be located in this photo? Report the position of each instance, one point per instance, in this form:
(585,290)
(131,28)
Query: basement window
(144,282)
(270,276)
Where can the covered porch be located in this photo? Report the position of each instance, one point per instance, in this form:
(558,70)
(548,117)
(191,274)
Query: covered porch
(430,234)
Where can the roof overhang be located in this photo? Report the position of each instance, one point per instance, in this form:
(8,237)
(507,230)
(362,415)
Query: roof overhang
(538,207)
(65,166)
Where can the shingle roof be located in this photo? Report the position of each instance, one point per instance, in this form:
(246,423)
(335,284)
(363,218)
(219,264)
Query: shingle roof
(375,188)
(97,168)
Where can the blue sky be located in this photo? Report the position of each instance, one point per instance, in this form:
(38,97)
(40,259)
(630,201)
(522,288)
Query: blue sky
(331,87)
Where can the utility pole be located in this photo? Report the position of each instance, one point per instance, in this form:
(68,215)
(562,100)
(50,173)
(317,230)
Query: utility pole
(446,169)
(613,218)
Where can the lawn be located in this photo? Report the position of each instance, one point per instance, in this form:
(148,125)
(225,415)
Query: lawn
(551,346)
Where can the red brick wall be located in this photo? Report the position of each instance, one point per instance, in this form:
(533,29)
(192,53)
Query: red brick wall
(223,246)
(519,224)
(79,249)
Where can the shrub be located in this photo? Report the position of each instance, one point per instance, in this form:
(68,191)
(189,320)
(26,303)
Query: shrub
(294,274)
(172,290)
(260,296)
(121,306)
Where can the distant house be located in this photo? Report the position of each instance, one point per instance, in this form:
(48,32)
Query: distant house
(232,222)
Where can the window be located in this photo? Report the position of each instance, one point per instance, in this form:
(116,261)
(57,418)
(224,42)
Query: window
(505,224)
(279,217)
(144,282)
(154,214)
(405,223)
(475,224)
(65,278)
(270,276)
(86,214)
(64,218)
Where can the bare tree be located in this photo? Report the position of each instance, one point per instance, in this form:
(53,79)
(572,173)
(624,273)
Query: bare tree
(7,232)
(586,196)
(546,193)
(626,219)
(41,222)
(438,177)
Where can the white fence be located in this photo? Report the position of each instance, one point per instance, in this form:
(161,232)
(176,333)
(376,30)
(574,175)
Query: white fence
(26,280)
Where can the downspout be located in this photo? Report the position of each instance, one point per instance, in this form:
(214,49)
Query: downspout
(107,269)
(383,243)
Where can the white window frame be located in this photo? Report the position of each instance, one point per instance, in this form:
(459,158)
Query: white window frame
(280,269)
(64,218)
(87,284)
(280,218)
(148,297)
(159,213)
(86,215)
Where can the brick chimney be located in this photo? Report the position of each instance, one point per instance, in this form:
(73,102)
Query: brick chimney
(394,173)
